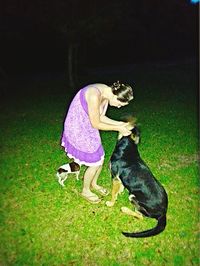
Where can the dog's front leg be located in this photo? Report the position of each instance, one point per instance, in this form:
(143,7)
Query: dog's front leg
(116,189)
(62,180)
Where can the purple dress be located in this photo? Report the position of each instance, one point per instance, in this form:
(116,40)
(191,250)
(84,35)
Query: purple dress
(81,141)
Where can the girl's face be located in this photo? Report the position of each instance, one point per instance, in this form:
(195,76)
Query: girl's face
(116,103)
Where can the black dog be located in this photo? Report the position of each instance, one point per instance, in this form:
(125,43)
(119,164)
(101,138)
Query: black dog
(146,193)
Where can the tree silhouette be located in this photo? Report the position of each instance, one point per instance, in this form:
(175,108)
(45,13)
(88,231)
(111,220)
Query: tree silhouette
(140,26)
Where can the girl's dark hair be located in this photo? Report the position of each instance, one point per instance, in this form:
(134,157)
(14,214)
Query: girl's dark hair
(124,92)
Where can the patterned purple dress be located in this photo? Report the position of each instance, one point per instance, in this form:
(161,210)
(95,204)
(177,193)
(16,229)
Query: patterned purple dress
(81,141)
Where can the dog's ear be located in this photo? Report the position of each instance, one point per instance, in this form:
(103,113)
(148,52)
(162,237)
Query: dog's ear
(136,130)
(135,135)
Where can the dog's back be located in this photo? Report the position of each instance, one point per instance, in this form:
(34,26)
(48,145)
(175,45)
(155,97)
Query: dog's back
(147,192)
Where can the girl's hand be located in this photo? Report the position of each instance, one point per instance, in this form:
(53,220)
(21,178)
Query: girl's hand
(124,131)
(129,126)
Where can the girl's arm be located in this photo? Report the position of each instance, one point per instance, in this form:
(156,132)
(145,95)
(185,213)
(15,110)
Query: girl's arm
(93,101)
(107,120)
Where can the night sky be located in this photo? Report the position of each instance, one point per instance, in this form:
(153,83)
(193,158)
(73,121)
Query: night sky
(36,36)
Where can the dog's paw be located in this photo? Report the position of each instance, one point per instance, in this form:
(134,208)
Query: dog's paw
(109,203)
(125,209)
(138,215)
(61,183)
(135,214)
(131,197)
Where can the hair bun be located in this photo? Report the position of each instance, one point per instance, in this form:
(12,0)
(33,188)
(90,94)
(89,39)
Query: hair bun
(116,85)
(124,92)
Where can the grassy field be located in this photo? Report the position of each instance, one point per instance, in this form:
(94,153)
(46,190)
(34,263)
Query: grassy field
(42,223)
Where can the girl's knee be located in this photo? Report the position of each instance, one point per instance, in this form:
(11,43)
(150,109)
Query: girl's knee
(100,166)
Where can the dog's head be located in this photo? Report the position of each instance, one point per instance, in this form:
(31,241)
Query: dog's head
(131,125)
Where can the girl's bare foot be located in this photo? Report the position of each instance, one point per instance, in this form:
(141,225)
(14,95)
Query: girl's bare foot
(89,196)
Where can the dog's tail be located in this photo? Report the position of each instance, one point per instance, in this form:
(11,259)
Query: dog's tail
(162,221)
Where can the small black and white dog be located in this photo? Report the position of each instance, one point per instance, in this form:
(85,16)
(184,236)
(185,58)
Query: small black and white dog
(146,193)
(64,170)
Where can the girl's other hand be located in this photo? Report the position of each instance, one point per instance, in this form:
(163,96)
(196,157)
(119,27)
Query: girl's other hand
(129,126)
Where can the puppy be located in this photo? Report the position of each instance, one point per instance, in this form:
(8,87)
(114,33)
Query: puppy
(146,193)
(64,170)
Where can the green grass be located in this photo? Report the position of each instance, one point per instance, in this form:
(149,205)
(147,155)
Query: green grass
(42,223)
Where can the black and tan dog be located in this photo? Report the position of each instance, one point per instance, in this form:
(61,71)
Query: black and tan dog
(146,193)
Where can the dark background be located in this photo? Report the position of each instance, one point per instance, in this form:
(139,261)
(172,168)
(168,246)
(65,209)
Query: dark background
(42,36)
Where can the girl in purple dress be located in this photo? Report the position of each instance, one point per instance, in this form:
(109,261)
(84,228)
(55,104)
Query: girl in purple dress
(85,117)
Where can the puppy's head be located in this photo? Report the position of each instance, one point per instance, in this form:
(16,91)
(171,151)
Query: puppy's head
(135,135)
(62,173)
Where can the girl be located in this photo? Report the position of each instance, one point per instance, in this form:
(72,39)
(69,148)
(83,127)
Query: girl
(81,138)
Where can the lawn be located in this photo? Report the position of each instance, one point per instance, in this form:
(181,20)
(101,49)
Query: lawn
(42,223)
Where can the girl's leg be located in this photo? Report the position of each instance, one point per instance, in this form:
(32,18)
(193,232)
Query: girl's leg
(94,185)
(95,178)
(87,180)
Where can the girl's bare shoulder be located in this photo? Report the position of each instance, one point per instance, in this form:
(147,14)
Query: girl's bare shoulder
(93,93)
(97,86)
(94,89)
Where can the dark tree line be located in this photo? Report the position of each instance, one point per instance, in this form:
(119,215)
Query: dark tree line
(84,26)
